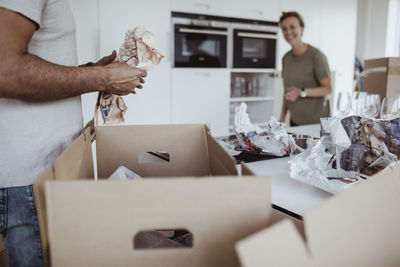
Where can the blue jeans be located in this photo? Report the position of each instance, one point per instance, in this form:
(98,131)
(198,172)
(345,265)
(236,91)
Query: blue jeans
(19,227)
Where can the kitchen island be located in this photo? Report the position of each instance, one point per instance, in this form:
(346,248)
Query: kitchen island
(290,195)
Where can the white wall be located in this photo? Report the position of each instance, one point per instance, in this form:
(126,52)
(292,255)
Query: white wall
(378,29)
(371,28)
(87,38)
(151,105)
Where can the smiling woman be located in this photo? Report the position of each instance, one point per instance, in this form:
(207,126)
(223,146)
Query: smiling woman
(305,73)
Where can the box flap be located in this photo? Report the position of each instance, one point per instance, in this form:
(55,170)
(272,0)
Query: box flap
(122,145)
(221,162)
(368,211)
(394,62)
(278,245)
(356,228)
(74,163)
(393,81)
(384,78)
(94,223)
(376,62)
(246,170)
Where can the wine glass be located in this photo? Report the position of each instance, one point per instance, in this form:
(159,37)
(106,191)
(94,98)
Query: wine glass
(353,102)
(361,103)
(390,108)
(343,104)
(396,107)
(372,105)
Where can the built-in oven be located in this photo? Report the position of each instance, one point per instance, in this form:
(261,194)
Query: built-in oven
(222,42)
(200,46)
(254,48)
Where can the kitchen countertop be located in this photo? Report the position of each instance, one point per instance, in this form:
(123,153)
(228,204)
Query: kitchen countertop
(289,194)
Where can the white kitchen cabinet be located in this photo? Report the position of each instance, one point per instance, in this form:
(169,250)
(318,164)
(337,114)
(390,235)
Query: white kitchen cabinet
(151,104)
(195,6)
(256,88)
(250,9)
(201,96)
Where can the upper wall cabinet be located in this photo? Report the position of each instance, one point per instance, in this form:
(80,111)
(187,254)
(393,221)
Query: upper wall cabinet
(250,9)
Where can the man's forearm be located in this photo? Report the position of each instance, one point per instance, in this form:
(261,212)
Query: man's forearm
(30,78)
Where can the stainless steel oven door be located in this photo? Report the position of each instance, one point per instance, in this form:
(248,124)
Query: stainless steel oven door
(200,46)
(254,49)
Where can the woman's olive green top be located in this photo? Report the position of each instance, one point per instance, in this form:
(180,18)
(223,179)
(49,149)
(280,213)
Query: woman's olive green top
(305,71)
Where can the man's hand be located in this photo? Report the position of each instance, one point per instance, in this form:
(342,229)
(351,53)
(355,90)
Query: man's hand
(292,94)
(106,59)
(123,79)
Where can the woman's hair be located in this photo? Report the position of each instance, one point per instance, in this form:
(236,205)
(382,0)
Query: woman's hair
(286,15)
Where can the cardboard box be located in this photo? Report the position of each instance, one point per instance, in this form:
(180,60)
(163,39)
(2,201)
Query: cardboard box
(95,223)
(356,228)
(383,76)
(191,149)
(73,164)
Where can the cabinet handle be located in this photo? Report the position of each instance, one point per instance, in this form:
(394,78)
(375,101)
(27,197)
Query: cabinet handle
(257,35)
(186,30)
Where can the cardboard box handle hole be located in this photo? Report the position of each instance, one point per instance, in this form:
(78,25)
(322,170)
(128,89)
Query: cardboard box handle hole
(154,156)
(159,239)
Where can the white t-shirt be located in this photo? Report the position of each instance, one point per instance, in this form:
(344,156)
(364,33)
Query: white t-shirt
(32,135)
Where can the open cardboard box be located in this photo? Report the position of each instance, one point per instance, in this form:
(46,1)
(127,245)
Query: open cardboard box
(383,76)
(96,223)
(359,227)
(192,151)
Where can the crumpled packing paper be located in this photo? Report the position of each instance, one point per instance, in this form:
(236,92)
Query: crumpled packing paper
(314,166)
(273,140)
(379,144)
(123,173)
(137,51)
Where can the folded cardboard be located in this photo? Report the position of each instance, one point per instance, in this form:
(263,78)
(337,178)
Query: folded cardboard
(191,149)
(95,223)
(382,76)
(74,163)
(356,228)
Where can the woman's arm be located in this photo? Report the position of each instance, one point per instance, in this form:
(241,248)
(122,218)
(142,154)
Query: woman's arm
(284,110)
(325,88)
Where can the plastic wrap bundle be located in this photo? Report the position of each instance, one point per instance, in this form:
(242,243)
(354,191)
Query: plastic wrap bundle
(317,166)
(377,141)
(368,147)
(272,140)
